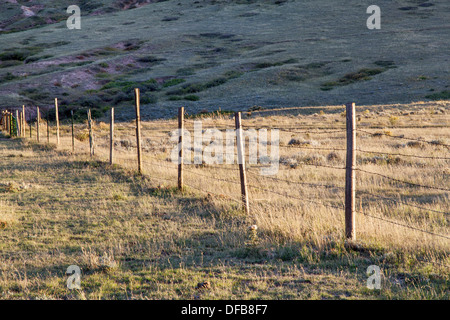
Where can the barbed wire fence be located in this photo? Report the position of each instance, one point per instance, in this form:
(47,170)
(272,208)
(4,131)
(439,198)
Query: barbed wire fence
(244,176)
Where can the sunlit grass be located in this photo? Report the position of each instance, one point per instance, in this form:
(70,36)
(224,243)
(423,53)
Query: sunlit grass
(159,243)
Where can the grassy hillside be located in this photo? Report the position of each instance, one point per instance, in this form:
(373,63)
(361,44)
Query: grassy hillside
(137,237)
(19,15)
(228,54)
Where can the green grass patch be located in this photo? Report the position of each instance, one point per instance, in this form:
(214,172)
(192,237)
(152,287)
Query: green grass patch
(360,75)
(198,87)
(264,65)
(128,86)
(75,64)
(443,95)
(233,74)
(385,63)
(173,82)
(19,54)
(150,59)
(10,63)
(191,97)
(8,77)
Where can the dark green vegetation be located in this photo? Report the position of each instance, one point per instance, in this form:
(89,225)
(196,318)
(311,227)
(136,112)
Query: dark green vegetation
(360,75)
(28,54)
(54,11)
(209,114)
(444,95)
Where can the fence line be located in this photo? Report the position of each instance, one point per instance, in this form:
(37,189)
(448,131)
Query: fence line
(312,148)
(405,225)
(403,202)
(402,155)
(297,198)
(402,181)
(299,182)
(404,138)
(192,168)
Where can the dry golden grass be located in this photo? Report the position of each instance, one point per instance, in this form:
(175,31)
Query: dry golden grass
(162,242)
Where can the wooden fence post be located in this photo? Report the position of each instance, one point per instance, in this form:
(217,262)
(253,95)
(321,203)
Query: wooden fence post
(48,127)
(241,161)
(350,180)
(19,125)
(31,130)
(10,124)
(91,135)
(138,128)
(73,133)
(57,121)
(24,122)
(181,147)
(111,137)
(37,124)
(8,120)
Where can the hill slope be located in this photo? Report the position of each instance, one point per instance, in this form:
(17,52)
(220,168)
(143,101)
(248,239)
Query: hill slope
(231,55)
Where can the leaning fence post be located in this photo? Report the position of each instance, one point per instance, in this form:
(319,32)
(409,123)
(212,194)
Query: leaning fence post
(138,128)
(181,147)
(241,161)
(111,137)
(57,121)
(37,125)
(350,180)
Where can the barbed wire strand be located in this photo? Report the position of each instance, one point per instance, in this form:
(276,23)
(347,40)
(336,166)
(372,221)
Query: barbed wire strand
(402,202)
(402,155)
(404,225)
(404,138)
(402,181)
(297,182)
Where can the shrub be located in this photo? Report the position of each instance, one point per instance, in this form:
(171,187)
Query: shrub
(333,156)
(148,98)
(393,120)
(192,97)
(360,75)
(82,136)
(150,59)
(414,144)
(301,142)
(438,142)
(173,82)
(444,95)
